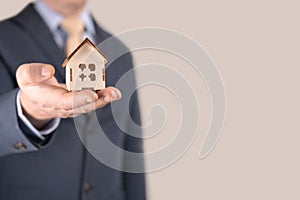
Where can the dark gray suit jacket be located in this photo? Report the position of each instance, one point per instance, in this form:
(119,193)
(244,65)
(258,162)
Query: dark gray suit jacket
(59,168)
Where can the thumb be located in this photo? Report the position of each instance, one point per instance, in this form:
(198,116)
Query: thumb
(33,74)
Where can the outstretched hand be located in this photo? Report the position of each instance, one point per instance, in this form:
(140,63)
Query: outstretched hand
(43,98)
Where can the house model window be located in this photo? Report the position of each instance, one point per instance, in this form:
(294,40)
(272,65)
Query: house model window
(85,68)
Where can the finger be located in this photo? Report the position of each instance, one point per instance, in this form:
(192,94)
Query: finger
(71,100)
(109,94)
(89,107)
(33,74)
(83,109)
(105,97)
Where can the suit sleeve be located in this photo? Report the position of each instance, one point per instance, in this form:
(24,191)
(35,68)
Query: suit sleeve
(12,138)
(15,137)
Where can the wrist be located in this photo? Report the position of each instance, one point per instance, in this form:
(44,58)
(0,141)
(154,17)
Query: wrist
(28,112)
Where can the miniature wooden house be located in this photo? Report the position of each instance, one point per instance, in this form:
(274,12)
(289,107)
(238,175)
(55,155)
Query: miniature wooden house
(85,68)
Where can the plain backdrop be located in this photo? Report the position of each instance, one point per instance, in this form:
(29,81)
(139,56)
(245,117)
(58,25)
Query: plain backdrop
(256,45)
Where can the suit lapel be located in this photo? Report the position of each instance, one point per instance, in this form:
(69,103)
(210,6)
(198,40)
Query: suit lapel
(101,35)
(36,27)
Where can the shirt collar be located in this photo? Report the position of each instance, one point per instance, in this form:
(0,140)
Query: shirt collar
(50,17)
(53,19)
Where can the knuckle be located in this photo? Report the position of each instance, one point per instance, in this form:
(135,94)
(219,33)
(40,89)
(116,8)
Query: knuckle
(83,109)
(100,104)
(66,104)
(90,107)
(64,114)
(80,110)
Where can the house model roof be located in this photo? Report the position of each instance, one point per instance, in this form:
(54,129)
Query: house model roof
(85,41)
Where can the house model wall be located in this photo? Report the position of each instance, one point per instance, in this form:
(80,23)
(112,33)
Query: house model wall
(85,68)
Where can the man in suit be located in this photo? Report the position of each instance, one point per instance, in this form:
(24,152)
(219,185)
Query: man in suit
(41,156)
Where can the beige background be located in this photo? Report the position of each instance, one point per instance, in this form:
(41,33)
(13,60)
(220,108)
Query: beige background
(256,46)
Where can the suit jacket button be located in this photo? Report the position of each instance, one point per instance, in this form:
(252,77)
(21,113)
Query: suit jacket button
(87,187)
(20,146)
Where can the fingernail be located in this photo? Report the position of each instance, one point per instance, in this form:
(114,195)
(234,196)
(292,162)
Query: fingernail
(119,94)
(89,100)
(46,71)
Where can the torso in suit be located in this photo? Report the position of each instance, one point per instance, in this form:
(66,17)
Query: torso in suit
(60,169)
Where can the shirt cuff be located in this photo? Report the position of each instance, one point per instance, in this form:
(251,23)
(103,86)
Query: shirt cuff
(49,128)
